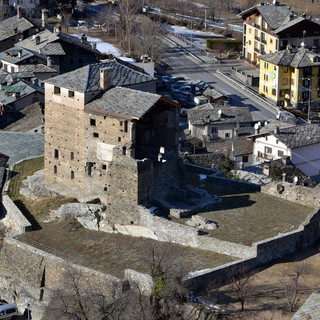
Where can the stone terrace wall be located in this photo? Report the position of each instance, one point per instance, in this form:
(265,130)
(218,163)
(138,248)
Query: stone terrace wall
(15,222)
(164,230)
(30,274)
(299,194)
(267,250)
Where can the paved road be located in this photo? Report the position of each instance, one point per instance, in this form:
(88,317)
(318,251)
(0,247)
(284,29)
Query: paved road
(193,69)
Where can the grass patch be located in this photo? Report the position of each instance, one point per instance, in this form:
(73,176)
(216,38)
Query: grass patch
(34,208)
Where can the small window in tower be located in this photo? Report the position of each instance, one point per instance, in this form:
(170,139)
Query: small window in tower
(72,175)
(105,189)
(71,155)
(56,90)
(56,153)
(55,169)
(104,167)
(71,94)
(119,139)
(125,126)
(96,135)
(92,122)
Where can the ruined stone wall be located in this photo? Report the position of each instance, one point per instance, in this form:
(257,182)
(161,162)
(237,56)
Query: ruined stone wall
(303,195)
(30,275)
(14,221)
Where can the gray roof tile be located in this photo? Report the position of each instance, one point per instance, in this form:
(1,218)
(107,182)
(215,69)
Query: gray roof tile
(88,78)
(7,27)
(15,55)
(53,49)
(296,58)
(36,68)
(124,101)
(240,145)
(299,135)
(47,37)
(229,115)
(274,15)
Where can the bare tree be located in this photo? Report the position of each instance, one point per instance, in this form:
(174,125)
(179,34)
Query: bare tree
(242,286)
(128,10)
(292,283)
(149,40)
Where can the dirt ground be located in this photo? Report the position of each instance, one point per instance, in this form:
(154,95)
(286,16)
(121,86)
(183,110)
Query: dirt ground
(267,300)
(247,217)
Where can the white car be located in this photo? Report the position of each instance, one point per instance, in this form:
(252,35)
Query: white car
(286,116)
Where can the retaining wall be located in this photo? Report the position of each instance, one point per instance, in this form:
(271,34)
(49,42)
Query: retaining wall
(299,194)
(14,220)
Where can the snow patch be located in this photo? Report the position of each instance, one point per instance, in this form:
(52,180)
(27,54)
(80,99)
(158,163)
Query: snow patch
(102,46)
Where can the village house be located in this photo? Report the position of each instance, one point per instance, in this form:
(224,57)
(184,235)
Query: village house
(108,137)
(61,51)
(301,143)
(14,29)
(17,96)
(18,59)
(209,122)
(239,149)
(272,27)
(291,78)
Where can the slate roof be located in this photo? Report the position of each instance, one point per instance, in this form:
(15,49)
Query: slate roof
(53,49)
(48,37)
(12,55)
(229,115)
(275,15)
(213,93)
(241,146)
(124,101)
(7,27)
(6,92)
(36,68)
(3,76)
(299,135)
(296,58)
(310,309)
(87,78)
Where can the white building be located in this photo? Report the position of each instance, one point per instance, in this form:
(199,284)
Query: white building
(301,143)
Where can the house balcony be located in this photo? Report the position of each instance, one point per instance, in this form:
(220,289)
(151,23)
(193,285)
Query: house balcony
(257,50)
(264,41)
(265,156)
(257,38)
(257,26)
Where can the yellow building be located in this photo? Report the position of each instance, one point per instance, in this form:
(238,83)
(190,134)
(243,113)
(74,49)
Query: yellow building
(272,27)
(291,78)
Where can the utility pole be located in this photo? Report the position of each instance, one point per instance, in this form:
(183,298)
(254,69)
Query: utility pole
(205,20)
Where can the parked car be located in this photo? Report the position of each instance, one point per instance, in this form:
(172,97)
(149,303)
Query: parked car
(8,311)
(176,85)
(286,116)
(185,88)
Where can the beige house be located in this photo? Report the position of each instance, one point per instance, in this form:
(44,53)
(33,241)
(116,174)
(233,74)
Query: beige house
(107,137)
(272,27)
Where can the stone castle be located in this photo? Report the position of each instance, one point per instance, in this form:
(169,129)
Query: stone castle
(108,136)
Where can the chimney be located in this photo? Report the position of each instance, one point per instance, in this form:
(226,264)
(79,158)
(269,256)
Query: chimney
(19,13)
(106,78)
(276,3)
(219,113)
(83,38)
(57,28)
(20,53)
(44,17)
(257,128)
(49,62)
(276,130)
(94,45)
(37,40)
(15,30)
(291,16)
(304,15)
